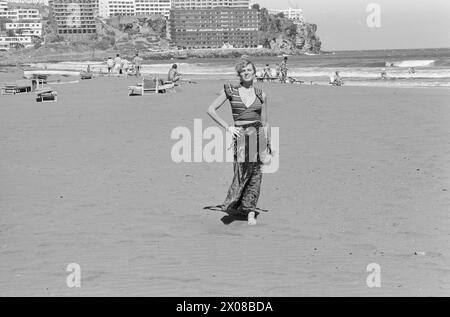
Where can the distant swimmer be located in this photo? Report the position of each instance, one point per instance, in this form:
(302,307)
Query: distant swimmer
(384,74)
(412,70)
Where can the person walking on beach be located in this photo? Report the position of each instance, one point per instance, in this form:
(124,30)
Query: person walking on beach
(125,66)
(283,70)
(110,65)
(118,64)
(137,64)
(249,109)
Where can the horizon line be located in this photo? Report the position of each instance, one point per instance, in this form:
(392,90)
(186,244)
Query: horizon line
(385,49)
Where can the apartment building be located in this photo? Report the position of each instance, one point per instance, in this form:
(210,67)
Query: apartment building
(73,18)
(206,4)
(43,2)
(25,28)
(214,27)
(146,7)
(296,15)
(7,42)
(17,15)
(108,8)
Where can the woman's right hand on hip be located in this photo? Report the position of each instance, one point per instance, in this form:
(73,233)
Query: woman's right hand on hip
(235,131)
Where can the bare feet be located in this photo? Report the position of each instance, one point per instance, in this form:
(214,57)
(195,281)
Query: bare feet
(251,218)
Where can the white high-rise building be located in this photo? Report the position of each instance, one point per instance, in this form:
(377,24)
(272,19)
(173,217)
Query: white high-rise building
(145,7)
(205,4)
(7,42)
(18,14)
(25,28)
(45,2)
(108,8)
(73,18)
(296,15)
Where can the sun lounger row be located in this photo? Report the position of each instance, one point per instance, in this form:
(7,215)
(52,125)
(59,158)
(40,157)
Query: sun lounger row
(290,80)
(23,86)
(269,79)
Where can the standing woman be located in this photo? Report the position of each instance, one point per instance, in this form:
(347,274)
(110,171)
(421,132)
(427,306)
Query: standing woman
(249,109)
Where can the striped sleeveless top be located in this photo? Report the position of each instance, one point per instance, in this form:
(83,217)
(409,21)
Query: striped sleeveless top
(238,108)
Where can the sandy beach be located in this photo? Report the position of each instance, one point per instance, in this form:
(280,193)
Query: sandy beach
(364,178)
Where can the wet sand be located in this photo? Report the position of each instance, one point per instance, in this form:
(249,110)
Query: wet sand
(363,178)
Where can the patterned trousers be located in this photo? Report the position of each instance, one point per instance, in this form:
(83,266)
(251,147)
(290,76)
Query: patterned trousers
(244,191)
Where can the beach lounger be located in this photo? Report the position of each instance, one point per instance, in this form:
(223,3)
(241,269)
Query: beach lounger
(293,80)
(175,84)
(38,83)
(149,86)
(268,79)
(20,86)
(46,95)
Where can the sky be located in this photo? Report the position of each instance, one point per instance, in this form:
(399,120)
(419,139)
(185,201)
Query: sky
(342,24)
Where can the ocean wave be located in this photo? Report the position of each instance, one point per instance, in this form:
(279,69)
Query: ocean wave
(411,63)
(369,72)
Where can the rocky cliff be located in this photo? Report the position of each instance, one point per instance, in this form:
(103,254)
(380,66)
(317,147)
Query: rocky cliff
(278,32)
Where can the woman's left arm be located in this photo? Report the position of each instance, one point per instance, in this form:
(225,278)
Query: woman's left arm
(264,115)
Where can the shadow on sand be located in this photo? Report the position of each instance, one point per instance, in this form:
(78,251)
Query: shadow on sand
(233,214)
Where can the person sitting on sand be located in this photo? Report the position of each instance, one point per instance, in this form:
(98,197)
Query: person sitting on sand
(110,65)
(337,80)
(131,70)
(173,75)
(266,73)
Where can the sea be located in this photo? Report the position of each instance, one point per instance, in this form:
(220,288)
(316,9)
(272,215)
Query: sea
(357,68)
